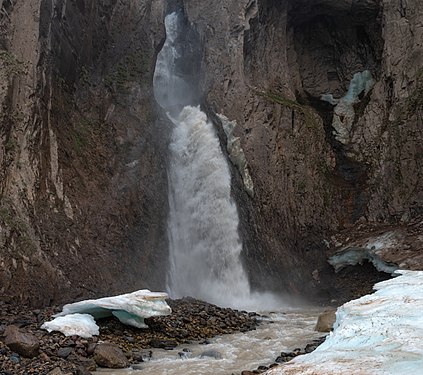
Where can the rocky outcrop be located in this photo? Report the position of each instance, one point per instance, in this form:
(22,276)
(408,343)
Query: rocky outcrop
(267,65)
(389,247)
(83,151)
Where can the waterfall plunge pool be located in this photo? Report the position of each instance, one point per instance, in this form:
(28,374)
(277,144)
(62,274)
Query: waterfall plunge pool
(279,331)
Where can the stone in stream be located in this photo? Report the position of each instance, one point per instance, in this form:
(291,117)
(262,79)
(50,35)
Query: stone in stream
(182,355)
(110,356)
(163,344)
(25,344)
(212,354)
(262,368)
(312,347)
(142,356)
(326,321)
(281,359)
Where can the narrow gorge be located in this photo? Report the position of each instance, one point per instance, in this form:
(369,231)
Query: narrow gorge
(246,153)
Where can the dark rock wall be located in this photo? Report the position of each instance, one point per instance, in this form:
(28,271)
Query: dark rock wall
(83,158)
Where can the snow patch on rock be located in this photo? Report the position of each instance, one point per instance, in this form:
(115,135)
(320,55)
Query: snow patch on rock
(344,113)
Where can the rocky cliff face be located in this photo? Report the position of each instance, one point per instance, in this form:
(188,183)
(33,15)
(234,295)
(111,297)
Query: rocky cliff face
(318,166)
(317,149)
(82,156)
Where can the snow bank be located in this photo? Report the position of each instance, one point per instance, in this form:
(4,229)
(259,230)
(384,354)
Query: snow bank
(131,309)
(76,324)
(381,333)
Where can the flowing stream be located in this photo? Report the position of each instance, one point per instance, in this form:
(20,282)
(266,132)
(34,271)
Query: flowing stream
(282,331)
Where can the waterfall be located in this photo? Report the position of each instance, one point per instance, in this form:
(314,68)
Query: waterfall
(203,221)
(204,244)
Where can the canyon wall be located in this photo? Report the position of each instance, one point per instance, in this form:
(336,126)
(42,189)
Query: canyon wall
(318,168)
(83,147)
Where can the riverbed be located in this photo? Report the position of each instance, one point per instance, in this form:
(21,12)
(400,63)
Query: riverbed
(279,331)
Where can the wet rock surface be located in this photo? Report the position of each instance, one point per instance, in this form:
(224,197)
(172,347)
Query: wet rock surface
(117,345)
(326,321)
(110,356)
(98,182)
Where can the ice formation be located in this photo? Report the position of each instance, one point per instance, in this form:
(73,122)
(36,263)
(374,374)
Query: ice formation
(344,113)
(377,334)
(82,325)
(372,250)
(130,309)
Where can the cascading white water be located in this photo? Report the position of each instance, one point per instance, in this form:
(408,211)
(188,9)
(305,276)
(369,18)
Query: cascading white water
(170,90)
(203,221)
(203,224)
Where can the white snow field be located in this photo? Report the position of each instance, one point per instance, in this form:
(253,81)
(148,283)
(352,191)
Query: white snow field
(380,333)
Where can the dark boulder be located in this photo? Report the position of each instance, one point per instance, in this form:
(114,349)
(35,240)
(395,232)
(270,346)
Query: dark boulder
(64,352)
(163,344)
(110,356)
(25,344)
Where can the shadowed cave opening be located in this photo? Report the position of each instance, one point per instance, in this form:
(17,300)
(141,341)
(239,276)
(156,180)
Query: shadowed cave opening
(333,41)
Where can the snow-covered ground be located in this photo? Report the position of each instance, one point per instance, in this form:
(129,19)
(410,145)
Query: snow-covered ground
(381,333)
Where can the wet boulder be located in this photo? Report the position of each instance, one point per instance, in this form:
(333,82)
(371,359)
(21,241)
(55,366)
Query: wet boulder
(163,344)
(110,356)
(326,321)
(212,354)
